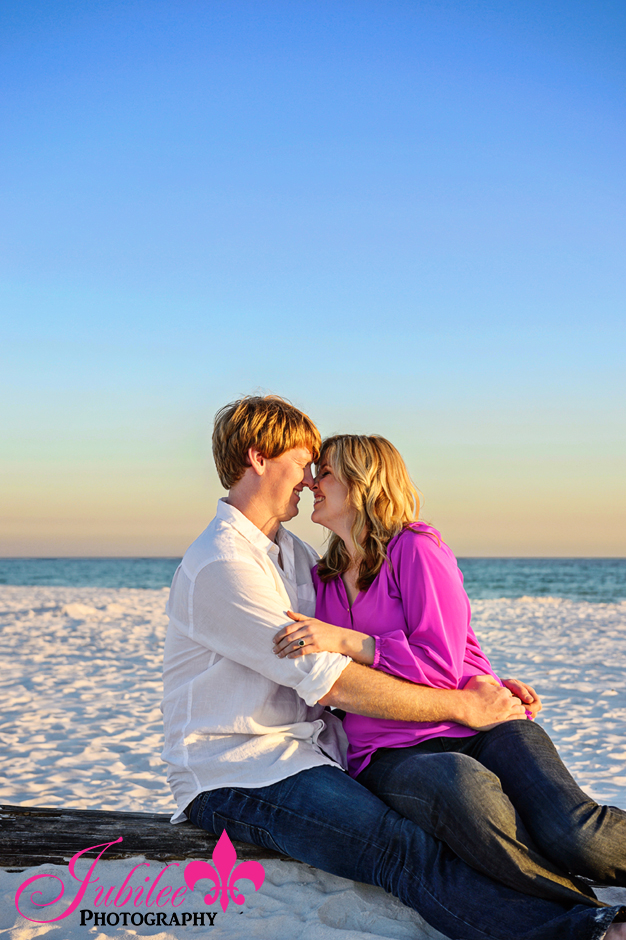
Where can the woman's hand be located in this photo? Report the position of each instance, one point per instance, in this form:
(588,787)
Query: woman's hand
(308,635)
(525,693)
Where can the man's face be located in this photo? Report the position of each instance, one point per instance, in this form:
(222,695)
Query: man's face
(286,476)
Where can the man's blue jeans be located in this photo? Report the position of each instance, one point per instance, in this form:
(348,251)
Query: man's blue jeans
(504,802)
(324,818)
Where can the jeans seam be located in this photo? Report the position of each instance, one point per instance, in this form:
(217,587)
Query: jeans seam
(276,847)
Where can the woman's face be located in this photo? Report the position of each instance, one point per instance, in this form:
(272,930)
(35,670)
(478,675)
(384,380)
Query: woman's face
(331,504)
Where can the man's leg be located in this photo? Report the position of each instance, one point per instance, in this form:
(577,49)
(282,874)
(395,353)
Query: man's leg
(323,817)
(569,827)
(457,800)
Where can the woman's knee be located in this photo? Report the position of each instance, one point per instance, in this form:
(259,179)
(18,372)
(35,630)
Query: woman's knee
(467,797)
(460,781)
(520,733)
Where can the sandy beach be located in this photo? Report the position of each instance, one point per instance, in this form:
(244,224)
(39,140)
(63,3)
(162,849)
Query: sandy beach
(81,727)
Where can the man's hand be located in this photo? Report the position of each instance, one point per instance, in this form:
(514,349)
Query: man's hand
(487,704)
(526,694)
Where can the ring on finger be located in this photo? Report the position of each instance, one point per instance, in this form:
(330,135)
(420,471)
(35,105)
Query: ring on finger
(301,643)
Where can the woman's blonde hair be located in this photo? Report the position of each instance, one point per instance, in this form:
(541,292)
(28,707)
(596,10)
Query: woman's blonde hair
(381,491)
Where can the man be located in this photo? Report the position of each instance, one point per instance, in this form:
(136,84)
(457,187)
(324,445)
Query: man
(249,744)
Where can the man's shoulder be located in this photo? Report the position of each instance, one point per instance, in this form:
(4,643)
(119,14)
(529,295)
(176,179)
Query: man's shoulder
(218,542)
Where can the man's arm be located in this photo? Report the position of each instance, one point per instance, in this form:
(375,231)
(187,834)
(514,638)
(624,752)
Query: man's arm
(237,611)
(481,705)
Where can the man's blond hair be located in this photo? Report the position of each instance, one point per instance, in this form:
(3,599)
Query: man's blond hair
(269,424)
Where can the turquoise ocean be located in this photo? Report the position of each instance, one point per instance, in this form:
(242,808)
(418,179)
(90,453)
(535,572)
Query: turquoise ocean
(602,580)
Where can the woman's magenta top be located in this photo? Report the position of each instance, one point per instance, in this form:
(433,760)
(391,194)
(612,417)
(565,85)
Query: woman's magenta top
(419,614)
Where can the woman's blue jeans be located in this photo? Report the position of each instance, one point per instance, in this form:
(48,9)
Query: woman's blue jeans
(325,818)
(504,802)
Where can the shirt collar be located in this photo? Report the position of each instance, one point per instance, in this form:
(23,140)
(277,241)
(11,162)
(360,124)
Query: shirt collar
(250,532)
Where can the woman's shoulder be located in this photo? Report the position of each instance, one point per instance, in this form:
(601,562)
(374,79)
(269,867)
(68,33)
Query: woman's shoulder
(418,539)
(413,534)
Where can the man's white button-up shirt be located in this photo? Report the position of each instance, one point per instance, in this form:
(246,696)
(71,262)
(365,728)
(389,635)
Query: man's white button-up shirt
(235,714)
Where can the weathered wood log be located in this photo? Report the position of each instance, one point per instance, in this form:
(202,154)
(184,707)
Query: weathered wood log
(32,835)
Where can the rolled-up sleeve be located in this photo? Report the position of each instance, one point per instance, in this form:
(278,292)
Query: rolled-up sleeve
(236,611)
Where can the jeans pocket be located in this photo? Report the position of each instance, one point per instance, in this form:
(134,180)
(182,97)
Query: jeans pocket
(244,832)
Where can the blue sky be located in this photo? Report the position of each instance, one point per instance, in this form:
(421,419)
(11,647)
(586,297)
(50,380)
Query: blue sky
(406,217)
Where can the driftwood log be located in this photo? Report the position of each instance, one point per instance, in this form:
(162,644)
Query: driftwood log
(32,835)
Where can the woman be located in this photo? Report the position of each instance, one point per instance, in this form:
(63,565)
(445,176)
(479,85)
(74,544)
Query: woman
(390,595)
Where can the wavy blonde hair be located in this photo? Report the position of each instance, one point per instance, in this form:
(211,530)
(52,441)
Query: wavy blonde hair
(381,491)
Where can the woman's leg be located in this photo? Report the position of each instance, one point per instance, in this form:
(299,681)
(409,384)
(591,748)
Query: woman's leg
(569,827)
(457,800)
(324,818)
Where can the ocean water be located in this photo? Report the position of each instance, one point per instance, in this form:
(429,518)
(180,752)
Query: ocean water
(601,580)
(581,579)
(89,572)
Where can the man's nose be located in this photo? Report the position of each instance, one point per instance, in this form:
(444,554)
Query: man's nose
(308,479)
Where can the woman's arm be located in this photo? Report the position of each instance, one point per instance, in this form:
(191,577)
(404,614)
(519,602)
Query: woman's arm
(437,614)
(428,647)
(308,635)
(431,641)
(320,637)
(401,661)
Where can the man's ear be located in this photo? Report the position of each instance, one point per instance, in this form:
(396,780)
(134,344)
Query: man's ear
(256,461)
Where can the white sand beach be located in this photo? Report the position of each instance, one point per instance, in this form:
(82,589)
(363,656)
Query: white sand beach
(81,727)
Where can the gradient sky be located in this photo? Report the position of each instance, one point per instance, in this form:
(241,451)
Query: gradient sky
(406,217)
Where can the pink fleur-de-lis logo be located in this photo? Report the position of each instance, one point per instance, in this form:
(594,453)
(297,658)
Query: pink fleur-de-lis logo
(224,858)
